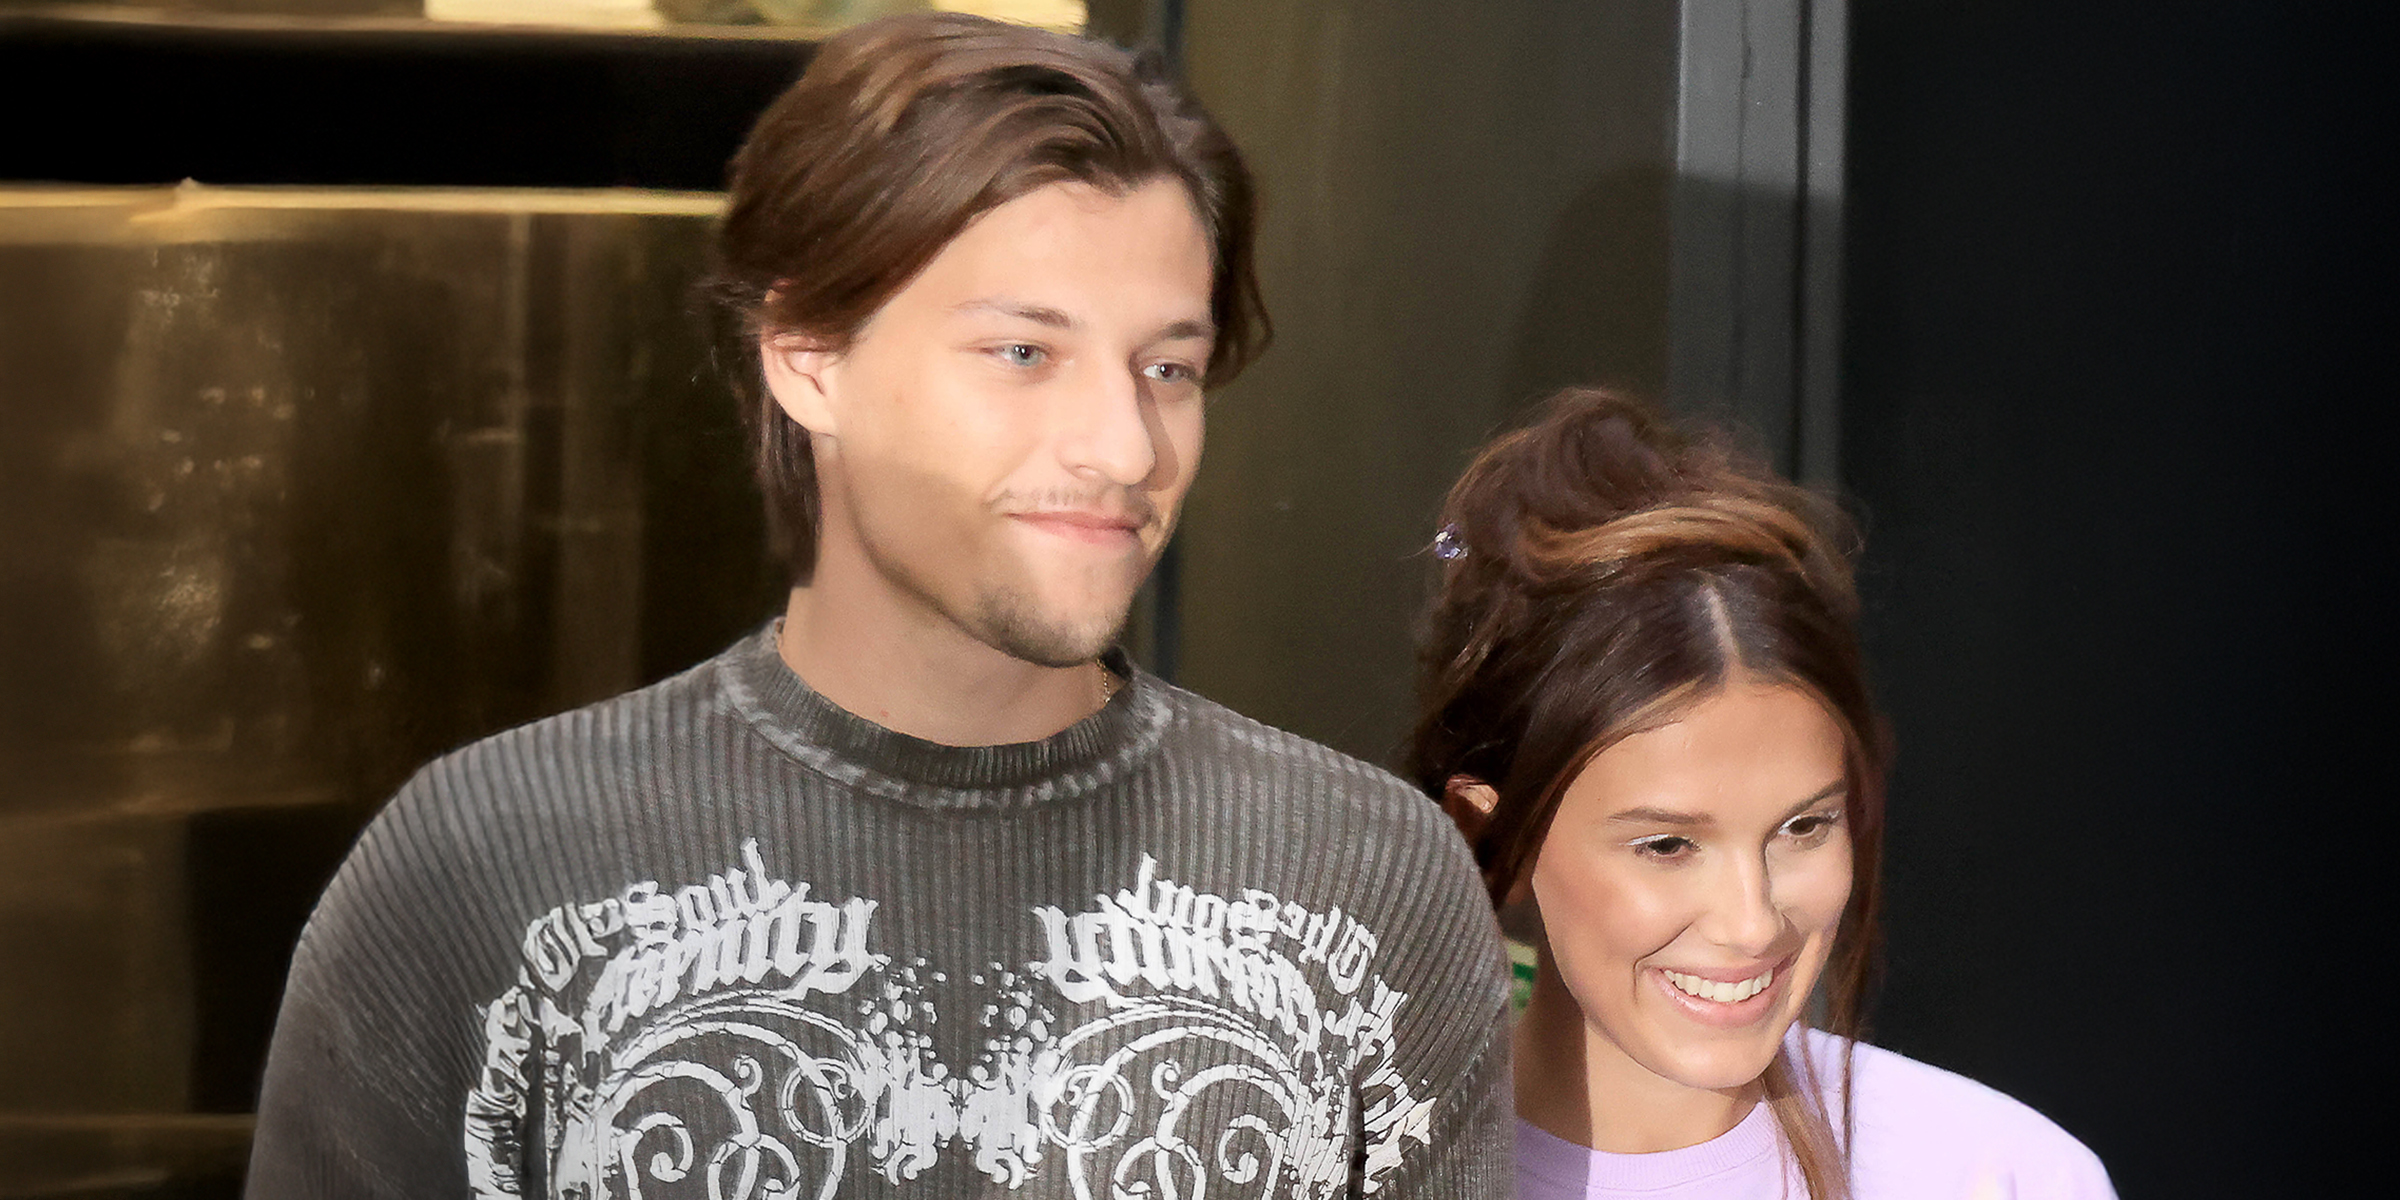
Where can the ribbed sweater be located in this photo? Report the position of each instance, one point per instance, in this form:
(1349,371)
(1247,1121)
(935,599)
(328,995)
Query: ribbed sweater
(720,937)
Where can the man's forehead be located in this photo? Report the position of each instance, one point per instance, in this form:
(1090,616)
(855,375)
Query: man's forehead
(1070,223)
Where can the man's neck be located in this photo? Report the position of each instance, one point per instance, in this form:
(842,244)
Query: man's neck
(911,671)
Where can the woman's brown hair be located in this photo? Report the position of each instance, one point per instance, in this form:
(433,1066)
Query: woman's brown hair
(1601,571)
(901,132)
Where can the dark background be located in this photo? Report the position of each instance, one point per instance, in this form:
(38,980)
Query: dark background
(2114,275)
(2113,272)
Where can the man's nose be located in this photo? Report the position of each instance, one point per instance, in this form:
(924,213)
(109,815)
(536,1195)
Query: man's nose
(1111,430)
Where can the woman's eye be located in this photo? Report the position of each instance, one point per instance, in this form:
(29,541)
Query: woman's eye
(1811,827)
(1665,845)
(1018,354)
(1172,372)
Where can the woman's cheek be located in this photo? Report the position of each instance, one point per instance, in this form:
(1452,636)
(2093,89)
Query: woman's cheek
(1601,916)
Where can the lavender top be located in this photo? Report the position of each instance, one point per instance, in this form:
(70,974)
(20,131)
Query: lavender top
(1922,1134)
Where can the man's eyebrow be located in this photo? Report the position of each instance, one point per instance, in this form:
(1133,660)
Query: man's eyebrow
(1035,313)
(1189,329)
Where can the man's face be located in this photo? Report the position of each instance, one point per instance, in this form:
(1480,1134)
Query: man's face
(1005,445)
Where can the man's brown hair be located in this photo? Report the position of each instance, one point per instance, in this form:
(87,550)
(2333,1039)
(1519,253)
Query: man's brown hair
(899,135)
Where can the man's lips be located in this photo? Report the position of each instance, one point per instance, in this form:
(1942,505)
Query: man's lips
(1084,525)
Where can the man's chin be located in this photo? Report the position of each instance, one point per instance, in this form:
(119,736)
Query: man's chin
(1049,639)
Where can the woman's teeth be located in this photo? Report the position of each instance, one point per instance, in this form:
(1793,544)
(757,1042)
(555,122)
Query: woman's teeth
(1722,993)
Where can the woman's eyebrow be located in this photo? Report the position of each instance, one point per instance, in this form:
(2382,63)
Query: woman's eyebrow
(1667,816)
(1829,791)
(1660,816)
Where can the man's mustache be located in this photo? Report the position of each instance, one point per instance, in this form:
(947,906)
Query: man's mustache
(1110,503)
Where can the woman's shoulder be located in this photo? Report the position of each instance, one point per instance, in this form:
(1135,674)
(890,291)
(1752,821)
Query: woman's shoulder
(1924,1131)
(1893,1089)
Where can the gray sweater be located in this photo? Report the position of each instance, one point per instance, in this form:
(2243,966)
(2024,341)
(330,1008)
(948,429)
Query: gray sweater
(720,938)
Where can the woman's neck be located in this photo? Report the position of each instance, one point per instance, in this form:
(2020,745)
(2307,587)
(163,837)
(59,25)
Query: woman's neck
(1574,1083)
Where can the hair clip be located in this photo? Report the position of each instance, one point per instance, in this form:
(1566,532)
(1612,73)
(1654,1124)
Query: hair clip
(1448,545)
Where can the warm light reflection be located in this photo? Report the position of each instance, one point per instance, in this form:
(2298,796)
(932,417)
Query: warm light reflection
(590,14)
(1067,15)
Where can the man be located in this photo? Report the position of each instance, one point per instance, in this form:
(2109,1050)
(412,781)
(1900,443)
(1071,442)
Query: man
(923,889)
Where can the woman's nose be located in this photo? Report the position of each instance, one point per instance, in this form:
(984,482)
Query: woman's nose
(1742,914)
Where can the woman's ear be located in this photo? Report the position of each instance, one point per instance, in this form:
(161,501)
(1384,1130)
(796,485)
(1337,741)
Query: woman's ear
(1470,802)
(799,371)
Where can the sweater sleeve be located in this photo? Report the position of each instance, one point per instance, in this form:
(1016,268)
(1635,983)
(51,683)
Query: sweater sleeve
(372,1049)
(1468,1152)
(1453,1048)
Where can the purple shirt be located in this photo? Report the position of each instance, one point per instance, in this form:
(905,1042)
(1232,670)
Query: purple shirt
(1922,1134)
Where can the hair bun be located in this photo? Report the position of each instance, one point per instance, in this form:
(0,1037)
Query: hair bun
(1598,482)
(1715,525)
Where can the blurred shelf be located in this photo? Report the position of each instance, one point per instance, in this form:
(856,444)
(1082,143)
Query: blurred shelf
(121,1154)
(35,214)
(132,96)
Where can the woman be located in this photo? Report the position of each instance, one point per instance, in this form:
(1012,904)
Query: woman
(1644,704)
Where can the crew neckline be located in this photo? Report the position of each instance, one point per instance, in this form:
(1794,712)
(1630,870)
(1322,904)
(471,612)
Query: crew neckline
(858,753)
(1582,1170)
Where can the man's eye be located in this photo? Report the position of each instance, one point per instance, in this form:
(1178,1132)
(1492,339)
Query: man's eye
(1173,372)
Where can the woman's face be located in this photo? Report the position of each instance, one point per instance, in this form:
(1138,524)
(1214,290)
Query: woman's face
(1692,883)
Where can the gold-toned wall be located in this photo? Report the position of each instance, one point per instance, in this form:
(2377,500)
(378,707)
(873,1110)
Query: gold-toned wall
(298,489)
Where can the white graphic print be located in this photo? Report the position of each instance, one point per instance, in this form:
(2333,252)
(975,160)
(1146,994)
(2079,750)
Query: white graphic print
(739,1039)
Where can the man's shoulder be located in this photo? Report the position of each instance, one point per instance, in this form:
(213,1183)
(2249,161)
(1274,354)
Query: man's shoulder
(572,758)
(1298,778)
(1218,731)
(514,819)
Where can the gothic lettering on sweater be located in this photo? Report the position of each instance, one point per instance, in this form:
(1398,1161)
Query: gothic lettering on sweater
(742,1038)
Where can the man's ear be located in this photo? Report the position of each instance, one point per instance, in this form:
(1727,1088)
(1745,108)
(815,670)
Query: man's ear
(798,370)
(1469,801)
